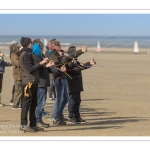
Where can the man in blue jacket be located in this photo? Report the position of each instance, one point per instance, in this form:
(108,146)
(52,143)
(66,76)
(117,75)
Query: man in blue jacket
(3,64)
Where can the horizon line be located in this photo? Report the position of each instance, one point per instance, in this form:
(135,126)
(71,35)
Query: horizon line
(81,35)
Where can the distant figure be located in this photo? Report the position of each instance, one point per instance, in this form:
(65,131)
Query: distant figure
(136,48)
(3,64)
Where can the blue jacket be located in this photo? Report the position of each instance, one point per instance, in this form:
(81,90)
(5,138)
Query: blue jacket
(3,64)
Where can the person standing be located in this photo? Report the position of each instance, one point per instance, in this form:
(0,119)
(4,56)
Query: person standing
(30,73)
(43,83)
(51,88)
(75,85)
(3,64)
(14,49)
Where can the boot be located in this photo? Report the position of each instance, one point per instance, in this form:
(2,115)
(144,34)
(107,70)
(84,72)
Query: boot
(1,105)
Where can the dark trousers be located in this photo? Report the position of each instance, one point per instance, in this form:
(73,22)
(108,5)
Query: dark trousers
(29,105)
(17,93)
(1,80)
(74,105)
(13,91)
(51,88)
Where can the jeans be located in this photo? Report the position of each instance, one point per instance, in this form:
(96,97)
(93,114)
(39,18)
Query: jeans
(62,97)
(29,105)
(41,99)
(74,105)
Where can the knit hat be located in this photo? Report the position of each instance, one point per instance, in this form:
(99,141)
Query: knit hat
(25,41)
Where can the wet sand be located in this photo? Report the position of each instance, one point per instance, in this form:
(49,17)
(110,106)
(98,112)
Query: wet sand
(115,101)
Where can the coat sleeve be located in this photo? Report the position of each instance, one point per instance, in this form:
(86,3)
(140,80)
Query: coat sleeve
(15,60)
(7,64)
(77,68)
(79,52)
(29,64)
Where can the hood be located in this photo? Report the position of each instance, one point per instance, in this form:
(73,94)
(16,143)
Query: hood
(36,49)
(13,48)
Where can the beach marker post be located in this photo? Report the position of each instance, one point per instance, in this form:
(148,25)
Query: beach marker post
(98,47)
(136,48)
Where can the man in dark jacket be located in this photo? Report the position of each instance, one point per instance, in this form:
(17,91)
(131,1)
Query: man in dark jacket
(60,82)
(30,72)
(75,85)
(14,49)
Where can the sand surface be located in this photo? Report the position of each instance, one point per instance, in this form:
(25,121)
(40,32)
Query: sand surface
(115,101)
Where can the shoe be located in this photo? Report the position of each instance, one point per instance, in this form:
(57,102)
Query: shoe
(59,122)
(37,128)
(51,119)
(42,125)
(11,103)
(1,105)
(50,98)
(16,107)
(25,128)
(73,120)
(80,120)
(64,119)
(46,123)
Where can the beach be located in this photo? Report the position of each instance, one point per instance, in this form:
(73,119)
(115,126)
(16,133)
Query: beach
(115,101)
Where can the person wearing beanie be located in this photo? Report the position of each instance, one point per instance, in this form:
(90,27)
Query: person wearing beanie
(25,41)
(30,79)
(14,49)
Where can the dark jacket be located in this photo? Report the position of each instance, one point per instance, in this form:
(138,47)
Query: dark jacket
(79,52)
(3,64)
(74,71)
(44,80)
(59,62)
(29,70)
(15,62)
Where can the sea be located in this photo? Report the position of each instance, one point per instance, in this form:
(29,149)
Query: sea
(90,41)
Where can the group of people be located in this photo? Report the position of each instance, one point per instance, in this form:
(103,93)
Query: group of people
(35,73)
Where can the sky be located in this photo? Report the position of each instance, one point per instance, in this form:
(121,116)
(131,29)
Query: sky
(75,24)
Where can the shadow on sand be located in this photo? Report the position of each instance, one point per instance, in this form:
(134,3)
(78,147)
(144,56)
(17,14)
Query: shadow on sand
(94,122)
